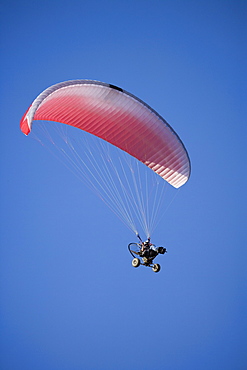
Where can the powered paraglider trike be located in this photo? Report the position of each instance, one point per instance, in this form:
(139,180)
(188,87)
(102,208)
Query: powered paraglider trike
(147,252)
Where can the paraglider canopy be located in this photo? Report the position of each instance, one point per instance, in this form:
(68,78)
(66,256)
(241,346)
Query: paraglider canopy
(117,117)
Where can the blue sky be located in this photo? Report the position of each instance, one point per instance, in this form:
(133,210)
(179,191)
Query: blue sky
(70,298)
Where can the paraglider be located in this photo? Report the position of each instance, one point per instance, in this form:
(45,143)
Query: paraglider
(126,122)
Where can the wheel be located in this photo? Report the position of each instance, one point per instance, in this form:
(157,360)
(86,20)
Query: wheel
(156,267)
(145,261)
(136,262)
